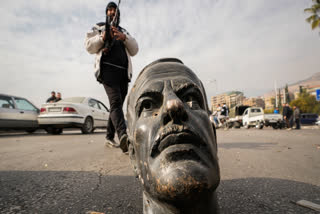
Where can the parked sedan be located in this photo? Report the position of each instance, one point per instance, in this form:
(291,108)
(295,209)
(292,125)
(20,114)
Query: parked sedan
(308,119)
(17,113)
(75,112)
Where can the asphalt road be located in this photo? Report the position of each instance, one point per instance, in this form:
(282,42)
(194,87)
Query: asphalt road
(262,171)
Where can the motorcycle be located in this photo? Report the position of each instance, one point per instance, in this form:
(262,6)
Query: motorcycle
(223,122)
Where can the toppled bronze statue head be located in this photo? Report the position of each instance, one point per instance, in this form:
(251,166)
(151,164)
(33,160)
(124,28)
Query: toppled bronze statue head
(172,144)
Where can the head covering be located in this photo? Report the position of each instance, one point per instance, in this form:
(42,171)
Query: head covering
(111,4)
(114,5)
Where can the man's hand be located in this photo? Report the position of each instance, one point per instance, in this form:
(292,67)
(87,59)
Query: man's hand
(119,35)
(105,50)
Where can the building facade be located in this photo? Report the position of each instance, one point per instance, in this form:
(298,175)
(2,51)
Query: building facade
(231,99)
(312,89)
(269,103)
(258,102)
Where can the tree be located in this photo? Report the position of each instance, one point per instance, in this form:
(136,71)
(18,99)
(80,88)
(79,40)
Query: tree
(300,89)
(314,19)
(306,103)
(279,100)
(273,101)
(287,95)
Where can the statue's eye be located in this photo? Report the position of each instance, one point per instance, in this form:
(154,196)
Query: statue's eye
(192,101)
(147,105)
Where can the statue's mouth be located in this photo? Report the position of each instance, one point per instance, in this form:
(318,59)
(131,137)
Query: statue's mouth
(179,143)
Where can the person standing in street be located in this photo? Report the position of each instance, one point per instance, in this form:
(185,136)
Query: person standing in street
(214,117)
(287,116)
(296,116)
(113,68)
(58,98)
(225,110)
(284,114)
(219,115)
(52,99)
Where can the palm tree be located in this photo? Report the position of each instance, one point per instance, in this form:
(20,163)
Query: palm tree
(314,19)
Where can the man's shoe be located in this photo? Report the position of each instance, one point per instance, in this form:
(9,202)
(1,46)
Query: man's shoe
(111,143)
(124,143)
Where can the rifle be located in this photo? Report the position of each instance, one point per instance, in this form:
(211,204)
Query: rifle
(109,23)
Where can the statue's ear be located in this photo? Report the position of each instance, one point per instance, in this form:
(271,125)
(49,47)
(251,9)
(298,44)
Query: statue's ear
(133,158)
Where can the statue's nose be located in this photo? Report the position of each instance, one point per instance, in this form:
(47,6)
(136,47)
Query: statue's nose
(175,110)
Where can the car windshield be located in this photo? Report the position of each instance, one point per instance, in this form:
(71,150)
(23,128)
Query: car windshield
(73,100)
(255,110)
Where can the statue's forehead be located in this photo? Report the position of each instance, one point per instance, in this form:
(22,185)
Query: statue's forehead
(156,77)
(175,83)
(168,70)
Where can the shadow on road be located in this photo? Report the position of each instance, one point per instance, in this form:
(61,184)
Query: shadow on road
(78,192)
(43,133)
(68,192)
(244,145)
(265,195)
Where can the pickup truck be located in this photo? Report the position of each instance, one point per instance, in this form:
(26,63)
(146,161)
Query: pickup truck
(235,116)
(255,117)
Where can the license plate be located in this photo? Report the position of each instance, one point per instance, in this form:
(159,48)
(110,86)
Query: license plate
(54,109)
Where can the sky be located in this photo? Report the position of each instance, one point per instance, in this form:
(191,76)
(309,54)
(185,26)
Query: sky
(246,45)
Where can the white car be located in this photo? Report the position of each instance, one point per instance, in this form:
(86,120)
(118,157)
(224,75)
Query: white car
(75,112)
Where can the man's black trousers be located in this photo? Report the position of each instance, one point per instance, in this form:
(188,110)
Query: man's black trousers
(117,92)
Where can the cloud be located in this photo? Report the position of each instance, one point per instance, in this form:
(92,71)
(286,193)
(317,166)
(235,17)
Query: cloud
(232,45)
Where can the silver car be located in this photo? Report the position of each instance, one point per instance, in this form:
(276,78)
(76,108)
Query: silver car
(85,113)
(18,113)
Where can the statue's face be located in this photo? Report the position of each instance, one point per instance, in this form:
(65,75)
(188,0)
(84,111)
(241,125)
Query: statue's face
(173,144)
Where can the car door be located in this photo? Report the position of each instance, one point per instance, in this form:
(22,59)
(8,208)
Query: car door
(245,117)
(96,112)
(105,113)
(8,113)
(27,113)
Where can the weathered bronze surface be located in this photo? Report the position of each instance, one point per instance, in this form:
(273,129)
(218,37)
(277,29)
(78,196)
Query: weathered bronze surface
(172,144)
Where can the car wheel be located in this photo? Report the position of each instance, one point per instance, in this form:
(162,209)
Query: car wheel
(87,126)
(236,125)
(30,131)
(259,125)
(246,126)
(49,130)
(275,126)
(57,131)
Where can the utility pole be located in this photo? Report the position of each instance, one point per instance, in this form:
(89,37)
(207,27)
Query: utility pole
(275,89)
(279,93)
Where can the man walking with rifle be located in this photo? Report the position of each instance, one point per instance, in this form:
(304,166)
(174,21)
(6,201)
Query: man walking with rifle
(113,47)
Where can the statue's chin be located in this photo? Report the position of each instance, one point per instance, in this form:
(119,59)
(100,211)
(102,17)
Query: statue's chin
(184,180)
